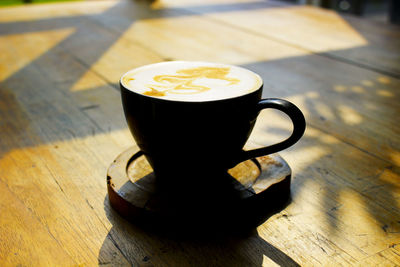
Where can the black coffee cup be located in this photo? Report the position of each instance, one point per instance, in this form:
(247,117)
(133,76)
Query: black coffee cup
(187,140)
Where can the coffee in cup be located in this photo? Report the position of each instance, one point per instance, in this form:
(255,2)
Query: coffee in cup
(191,81)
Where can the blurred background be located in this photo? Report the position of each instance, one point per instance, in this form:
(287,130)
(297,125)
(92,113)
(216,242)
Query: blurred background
(377,10)
(380,10)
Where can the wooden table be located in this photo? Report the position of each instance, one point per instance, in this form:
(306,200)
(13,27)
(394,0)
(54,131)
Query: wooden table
(61,125)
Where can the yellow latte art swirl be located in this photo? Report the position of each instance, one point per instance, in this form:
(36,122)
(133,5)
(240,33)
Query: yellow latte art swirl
(182,83)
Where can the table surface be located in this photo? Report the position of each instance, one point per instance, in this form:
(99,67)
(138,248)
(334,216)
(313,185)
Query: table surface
(61,126)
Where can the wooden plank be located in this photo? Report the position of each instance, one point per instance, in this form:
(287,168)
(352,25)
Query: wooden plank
(16,46)
(359,108)
(387,257)
(382,52)
(354,40)
(39,126)
(344,206)
(19,243)
(50,191)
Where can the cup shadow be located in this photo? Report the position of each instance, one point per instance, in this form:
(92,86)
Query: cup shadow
(199,232)
(193,245)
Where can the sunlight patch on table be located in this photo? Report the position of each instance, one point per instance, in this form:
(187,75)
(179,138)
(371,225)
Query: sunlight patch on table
(355,214)
(299,162)
(171,38)
(384,80)
(19,50)
(53,10)
(357,89)
(122,56)
(349,115)
(88,80)
(23,236)
(40,175)
(268,262)
(40,178)
(391,176)
(312,94)
(395,157)
(318,30)
(384,93)
(340,88)
(324,111)
(367,83)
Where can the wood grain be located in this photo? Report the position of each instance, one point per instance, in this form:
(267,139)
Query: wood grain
(61,126)
(342,37)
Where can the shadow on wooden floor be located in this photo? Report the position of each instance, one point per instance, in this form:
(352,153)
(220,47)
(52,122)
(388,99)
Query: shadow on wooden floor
(192,245)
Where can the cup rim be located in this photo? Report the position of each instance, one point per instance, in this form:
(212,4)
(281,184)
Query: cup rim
(188,101)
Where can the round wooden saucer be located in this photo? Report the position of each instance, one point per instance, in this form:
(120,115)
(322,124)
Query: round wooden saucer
(247,195)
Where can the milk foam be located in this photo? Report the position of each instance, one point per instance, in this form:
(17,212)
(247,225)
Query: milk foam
(191,81)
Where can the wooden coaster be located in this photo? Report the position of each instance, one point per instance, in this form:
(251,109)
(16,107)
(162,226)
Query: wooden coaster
(250,193)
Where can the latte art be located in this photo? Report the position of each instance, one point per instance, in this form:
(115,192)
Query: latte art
(191,81)
(184,83)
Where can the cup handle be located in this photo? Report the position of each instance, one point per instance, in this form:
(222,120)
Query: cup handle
(299,126)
